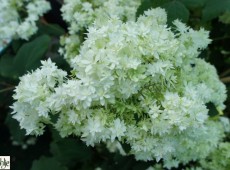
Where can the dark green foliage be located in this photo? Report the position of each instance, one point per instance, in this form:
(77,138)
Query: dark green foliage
(29,55)
(214,8)
(176,10)
(47,163)
(194,3)
(212,109)
(6,67)
(17,134)
(26,59)
(73,149)
(51,29)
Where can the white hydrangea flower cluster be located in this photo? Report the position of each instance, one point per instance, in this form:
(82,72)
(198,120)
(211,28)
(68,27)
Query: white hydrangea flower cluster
(80,14)
(18,18)
(31,95)
(219,159)
(137,82)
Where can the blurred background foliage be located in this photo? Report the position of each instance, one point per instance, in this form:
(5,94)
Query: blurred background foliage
(52,152)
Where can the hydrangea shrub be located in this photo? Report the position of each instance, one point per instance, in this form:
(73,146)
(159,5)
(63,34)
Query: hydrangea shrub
(138,82)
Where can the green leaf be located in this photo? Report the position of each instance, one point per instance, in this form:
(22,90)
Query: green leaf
(176,10)
(47,163)
(60,62)
(16,44)
(51,29)
(214,8)
(123,162)
(145,5)
(6,67)
(15,131)
(141,165)
(30,54)
(193,3)
(69,151)
(148,4)
(212,111)
(126,147)
(225,18)
(54,133)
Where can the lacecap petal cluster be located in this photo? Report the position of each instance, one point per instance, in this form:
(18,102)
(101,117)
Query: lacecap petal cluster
(135,82)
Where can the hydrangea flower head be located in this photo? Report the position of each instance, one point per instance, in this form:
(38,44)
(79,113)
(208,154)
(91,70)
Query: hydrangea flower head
(138,82)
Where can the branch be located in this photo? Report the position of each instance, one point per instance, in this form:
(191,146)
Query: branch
(225,73)
(6,89)
(221,38)
(225,79)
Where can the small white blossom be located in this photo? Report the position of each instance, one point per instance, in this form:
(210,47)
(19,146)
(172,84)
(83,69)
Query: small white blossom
(118,129)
